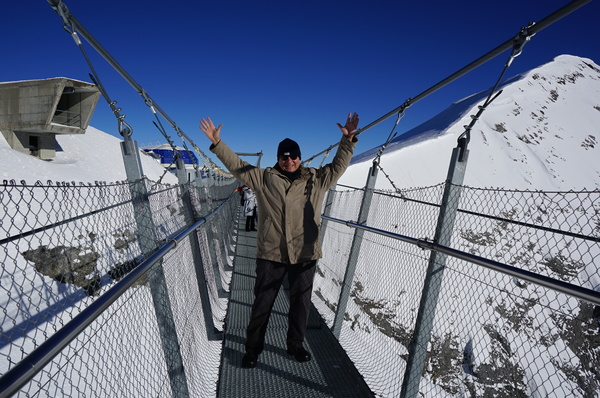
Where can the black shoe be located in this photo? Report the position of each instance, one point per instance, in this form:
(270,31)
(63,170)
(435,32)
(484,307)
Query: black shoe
(249,361)
(300,354)
(254,229)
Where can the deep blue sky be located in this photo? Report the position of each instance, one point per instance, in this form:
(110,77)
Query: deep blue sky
(274,69)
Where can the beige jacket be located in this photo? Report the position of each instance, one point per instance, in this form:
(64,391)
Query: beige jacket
(289,213)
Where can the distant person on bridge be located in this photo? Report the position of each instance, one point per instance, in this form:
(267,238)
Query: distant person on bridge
(290,198)
(249,208)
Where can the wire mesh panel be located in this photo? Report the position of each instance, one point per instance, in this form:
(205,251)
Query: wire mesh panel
(112,357)
(493,334)
(200,353)
(61,246)
(64,245)
(380,315)
(384,299)
(337,240)
(551,233)
(547,342)
(167,209)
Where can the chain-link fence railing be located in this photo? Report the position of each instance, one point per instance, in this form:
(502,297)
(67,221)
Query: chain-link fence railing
(66,245)
(493,334)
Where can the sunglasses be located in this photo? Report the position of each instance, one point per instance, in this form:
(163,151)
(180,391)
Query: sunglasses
(286,157)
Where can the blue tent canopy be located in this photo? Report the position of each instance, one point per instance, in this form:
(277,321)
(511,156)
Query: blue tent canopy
(167,155)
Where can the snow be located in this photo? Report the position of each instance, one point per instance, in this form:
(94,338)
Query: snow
(89,157)
(533,136)
(556,160)
(540,134)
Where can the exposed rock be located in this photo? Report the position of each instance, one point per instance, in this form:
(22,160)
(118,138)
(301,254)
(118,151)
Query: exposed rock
(382,314)
(123,239)
(73,265)
(444,363)
(581,333)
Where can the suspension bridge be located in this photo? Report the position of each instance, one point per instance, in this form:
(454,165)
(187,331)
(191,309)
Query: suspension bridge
(165,274)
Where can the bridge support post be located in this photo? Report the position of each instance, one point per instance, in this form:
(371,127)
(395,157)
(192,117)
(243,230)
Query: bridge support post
(156,277)
(417,350)
(354,252)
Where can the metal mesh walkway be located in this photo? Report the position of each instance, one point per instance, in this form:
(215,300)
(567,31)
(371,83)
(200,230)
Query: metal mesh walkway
(329,374)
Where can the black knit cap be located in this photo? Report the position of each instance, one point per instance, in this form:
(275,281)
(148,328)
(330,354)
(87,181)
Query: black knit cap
(288,147)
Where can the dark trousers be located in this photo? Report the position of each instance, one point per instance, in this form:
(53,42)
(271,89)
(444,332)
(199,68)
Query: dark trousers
(250,226)
(269,277)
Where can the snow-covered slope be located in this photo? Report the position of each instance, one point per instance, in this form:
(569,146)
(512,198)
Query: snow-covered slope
(89,157)
(541,133)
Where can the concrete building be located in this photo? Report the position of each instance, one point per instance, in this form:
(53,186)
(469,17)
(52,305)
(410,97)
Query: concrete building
(33,112)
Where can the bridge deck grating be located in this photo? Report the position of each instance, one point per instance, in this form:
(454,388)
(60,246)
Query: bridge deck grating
(329,374)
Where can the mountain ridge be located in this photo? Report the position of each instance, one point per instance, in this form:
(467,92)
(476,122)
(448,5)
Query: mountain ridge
(541,133)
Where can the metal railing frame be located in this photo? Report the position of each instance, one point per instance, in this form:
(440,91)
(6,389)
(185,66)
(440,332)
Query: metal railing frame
(486,216)
(25,370)
(12,381)
(578,292)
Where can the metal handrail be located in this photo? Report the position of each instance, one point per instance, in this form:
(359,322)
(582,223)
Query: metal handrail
(579,292)
(487,216)
(24,371)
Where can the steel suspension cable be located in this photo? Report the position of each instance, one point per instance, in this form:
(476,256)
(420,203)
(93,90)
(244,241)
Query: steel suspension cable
(465,137)
(529,31)
(123,127)
(70,23)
